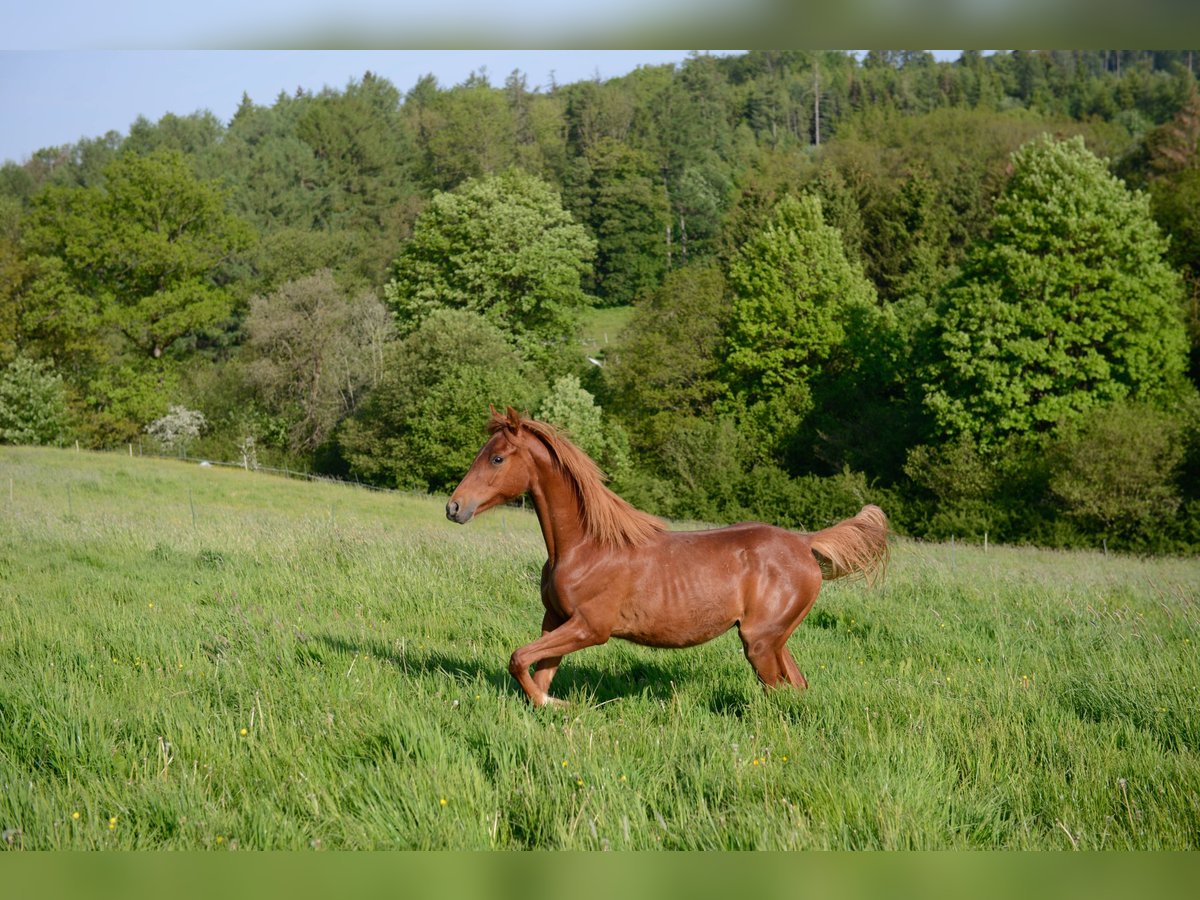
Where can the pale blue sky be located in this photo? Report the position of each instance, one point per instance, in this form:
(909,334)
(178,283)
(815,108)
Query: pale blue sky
(49,98)
(54,97)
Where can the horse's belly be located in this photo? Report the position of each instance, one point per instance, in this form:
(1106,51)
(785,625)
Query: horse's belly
(683,624)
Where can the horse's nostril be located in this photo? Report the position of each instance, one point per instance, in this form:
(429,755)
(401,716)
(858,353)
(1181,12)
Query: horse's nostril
(451,509)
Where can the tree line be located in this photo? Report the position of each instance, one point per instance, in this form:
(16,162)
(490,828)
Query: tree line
(965,290)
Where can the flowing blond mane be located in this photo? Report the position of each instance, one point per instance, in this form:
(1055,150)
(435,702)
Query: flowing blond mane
(607,518)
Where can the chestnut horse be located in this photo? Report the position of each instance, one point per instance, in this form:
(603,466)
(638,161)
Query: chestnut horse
(613,571)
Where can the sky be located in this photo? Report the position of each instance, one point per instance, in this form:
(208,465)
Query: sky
(54,97)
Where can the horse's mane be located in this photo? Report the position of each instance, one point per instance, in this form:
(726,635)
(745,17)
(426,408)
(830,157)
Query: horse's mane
(607,518)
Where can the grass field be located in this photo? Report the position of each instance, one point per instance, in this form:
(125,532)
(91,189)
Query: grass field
(209,658)
(601,327)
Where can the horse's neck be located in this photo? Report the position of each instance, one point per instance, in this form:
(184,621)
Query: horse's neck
(559,511)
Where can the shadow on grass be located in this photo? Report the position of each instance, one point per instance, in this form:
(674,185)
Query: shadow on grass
(588,684)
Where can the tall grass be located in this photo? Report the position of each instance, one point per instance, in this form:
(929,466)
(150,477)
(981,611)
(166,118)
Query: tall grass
(203,658)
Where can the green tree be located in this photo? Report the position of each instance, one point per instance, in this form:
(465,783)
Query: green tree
(503,247)
(667,363)
(466,132)
(1115,471)
(360,143)
(1174,163)
(573,409)
(794,291)
(422,425)
(314,352)
(627,212)
(147,248)
(33,405)
(274,176)
(1067,306)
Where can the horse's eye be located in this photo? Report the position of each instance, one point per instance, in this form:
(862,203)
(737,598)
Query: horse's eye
(496,460)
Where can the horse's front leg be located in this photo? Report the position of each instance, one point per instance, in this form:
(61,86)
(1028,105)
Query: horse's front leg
(574,634)
(543,671)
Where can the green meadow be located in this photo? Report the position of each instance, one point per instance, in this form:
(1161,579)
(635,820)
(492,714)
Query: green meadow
(208,658)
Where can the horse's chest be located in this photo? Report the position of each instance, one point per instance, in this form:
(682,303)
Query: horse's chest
(564,589)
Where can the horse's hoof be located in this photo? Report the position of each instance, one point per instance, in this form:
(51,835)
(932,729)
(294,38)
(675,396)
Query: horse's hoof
(555,702)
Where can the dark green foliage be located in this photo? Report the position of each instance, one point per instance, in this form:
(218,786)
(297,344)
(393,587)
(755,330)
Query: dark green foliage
(423,423)
(1116,471)
(617,198)
(795,294)
(669,358)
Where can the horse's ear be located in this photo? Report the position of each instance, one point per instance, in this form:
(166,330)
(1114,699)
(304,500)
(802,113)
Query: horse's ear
(514,420)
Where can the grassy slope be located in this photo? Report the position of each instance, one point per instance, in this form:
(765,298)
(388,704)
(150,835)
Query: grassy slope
(1014,699)
(601,327)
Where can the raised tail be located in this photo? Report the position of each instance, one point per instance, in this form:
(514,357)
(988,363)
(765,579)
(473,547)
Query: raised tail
(855,545)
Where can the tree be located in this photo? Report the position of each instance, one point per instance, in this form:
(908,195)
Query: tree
(315,351)
(33,406)
(1115,471)
(667,363)
(503,247)
(1174,161)
(275,178)
(421,426)
(466,132)
(627,212)
(122,279)
(794,292)
(147,247)
(178,428)
(359,141)
(1067,306)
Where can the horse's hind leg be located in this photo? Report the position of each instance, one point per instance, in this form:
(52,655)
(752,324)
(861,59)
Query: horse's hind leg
(763,653)
(765,642)
(790,670)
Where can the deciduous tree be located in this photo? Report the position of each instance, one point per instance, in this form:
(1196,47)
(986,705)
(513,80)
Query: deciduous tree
(1067,306)
(503,247)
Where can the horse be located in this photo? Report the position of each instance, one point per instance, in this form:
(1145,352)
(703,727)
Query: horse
(615,571)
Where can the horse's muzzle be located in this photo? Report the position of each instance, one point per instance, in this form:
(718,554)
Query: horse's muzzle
(459,514)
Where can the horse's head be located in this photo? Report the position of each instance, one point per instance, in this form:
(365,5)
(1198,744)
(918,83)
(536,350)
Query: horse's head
(502,470)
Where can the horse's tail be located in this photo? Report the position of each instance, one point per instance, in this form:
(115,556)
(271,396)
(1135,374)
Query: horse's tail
(855,545)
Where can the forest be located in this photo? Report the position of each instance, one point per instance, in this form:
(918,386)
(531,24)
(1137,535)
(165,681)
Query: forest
(772,285)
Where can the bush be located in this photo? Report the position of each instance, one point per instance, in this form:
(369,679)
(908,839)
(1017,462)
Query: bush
(178,428)
(422,425)
(1115,473)
(33,405)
